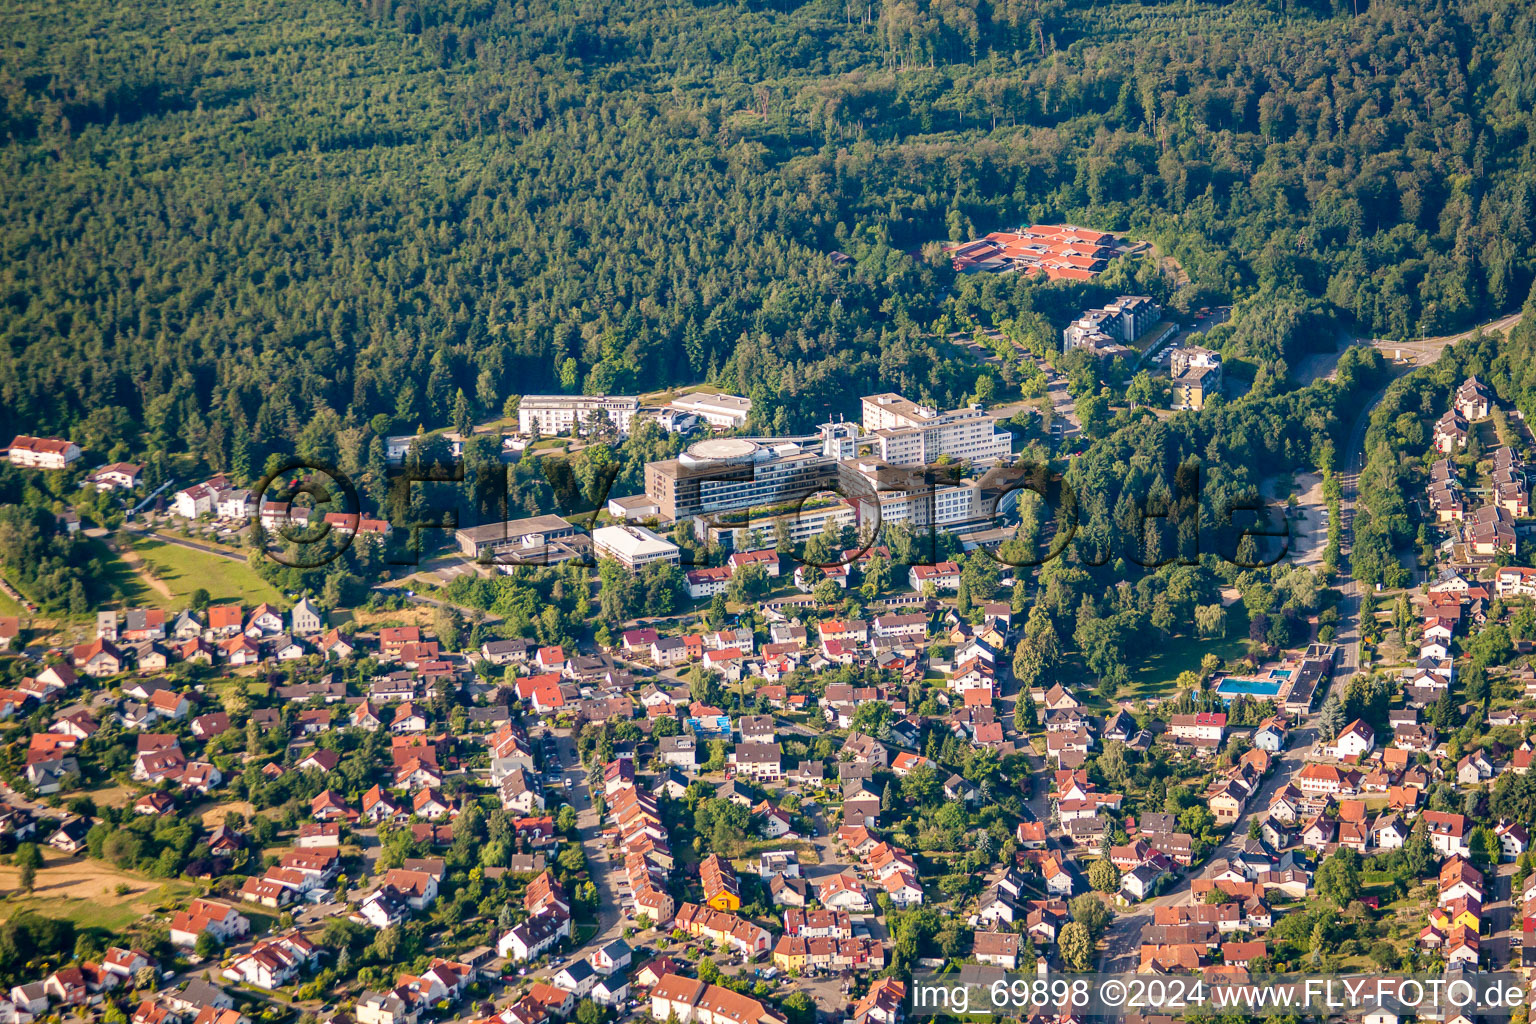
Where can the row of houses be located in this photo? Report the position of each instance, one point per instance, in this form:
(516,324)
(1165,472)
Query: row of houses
(635,826)
(74,988)
(219,498)
(1472,401)
(220,621)
(414,994)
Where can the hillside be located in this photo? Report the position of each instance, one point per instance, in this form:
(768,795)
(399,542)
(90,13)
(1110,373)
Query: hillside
(230,221)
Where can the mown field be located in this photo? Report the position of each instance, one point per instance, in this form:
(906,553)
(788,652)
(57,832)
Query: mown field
(184,570)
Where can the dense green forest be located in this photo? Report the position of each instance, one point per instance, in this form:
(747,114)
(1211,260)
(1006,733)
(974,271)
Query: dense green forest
(229,220)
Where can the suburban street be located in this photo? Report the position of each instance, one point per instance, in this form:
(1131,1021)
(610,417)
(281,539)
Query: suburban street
(604,874)
(1123,936)
(1122,939)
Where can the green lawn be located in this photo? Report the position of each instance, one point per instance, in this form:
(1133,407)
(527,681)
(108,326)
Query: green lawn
(186,569)
(203,539)
(106,910)
(225,690)
(117,576)
(9,607)
(1153,674)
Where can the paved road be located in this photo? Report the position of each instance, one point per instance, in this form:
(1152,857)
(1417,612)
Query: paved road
(1062,410)
(606,875)
(233,556)
(1503,915)
(1122,939)
(1427,350)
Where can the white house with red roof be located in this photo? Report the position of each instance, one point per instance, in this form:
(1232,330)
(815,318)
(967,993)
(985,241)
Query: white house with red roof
(42,452)
(944,576)
(1356,740)
(273,962)
(212,917)
(98,658)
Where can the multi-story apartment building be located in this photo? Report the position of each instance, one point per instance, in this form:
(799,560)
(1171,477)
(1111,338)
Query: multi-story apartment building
(1135,314)
(43,452)
(1196,374)
(1119,323)
(911,497)
(1096,328)
(559,414)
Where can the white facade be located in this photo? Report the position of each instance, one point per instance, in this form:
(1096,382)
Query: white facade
(633,546)
(531,938)
(638,506)
(1120,322)
(236,503)
(559,414)
(1516,580)
(704,583)
(1355,741)
(923,506)
(907,434)
(728,412)
(197,500)
(43,452)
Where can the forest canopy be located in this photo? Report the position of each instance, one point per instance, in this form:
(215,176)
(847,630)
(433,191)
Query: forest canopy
(228,221)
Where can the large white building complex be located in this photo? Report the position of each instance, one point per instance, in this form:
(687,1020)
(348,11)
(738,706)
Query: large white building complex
(868,475)
(905,464)
(560,414)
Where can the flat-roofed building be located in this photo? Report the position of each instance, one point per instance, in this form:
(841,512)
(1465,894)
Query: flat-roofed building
(633,546)
(1196,376)
(559,414)
(733,474)
(636,506)
(728,412)
(909,496)
(523,539)
(738,532)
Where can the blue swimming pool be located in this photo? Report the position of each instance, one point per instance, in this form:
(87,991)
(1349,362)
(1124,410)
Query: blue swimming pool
(1230,688)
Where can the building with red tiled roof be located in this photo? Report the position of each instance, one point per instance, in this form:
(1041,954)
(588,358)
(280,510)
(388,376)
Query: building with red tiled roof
(42,452)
